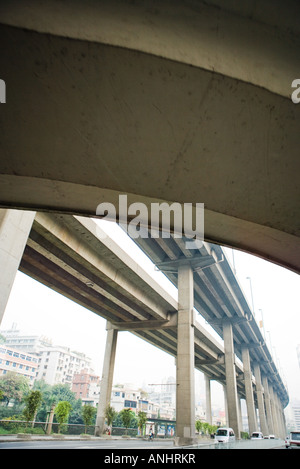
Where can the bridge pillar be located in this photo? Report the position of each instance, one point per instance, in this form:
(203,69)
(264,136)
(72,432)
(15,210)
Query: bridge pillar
(15,226)
(268,404)
(107,378)
(185,389)
(232,399)
(240,413)
(281,419)
(277,412)
(252,421)
(274,410)
(208,400)
(225,405)
(260,400)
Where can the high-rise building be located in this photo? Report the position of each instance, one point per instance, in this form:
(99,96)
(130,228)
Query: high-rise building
(55,364)
(59,364)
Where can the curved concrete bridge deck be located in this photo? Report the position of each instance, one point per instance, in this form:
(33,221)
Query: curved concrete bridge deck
(186,102)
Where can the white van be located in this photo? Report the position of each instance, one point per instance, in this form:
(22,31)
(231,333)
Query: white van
(257,436)
(224,435)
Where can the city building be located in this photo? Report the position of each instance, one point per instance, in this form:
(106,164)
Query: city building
(127,396)
(58,364)
(27,343)
(86,387)
(18,362)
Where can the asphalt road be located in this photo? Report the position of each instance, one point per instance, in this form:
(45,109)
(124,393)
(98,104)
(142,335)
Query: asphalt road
(88,444)
(119,444)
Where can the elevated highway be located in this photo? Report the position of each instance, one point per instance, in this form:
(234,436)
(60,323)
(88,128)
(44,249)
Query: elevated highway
(217,295)
(187,101)
(65,253)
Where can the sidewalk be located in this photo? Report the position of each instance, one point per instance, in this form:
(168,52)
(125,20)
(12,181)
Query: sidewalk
(203,442)
(28,436)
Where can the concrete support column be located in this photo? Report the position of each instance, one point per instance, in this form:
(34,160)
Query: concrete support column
(260,400)
(107,378)
(208,400)
(15,226)
(240,413)
(185,388)
(279,431)
(282,430)
(232,402)
(225,405)
(274,411)
(268,404)
(252,421)
(283,423)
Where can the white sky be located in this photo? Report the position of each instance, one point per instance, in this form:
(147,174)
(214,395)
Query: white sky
(38,310)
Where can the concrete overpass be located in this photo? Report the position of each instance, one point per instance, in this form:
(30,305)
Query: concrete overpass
(65,253)
(187,101)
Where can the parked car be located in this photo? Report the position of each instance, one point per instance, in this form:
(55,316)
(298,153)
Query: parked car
(293,439)
(257,436)
(224,435)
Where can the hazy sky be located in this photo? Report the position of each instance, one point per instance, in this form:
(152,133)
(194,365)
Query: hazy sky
(38,310)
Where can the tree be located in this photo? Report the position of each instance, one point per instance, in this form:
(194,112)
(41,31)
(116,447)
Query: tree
(48,400)
(33,401)
(142,419)
(198,426)
(126,415)
(62,411)
(205,427)
(13,386)
(88,413)
(110,414)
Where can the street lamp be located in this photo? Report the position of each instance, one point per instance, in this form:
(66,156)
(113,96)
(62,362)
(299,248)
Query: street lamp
(248,278)
(263,323)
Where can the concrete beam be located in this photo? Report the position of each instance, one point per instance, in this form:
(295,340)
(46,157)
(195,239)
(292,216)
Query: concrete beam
(117,81)
(146,325)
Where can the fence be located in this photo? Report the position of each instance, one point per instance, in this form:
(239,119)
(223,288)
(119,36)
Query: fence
(8,426)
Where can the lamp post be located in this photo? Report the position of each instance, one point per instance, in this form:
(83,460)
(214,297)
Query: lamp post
(263,323)
(249,278)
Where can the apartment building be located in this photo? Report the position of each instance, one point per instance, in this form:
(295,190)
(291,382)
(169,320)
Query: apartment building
(124,396)
(58,364)
(55,364)
(19,362)
(86,387)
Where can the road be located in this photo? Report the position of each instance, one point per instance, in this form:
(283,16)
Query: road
(88,444)
(112,445)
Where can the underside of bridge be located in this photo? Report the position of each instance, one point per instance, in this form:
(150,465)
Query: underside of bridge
(184,101)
